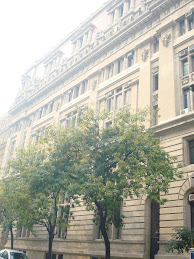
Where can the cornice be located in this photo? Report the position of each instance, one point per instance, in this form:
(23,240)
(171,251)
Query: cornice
(176,122)
(121,76)
(43,120)
(74,103)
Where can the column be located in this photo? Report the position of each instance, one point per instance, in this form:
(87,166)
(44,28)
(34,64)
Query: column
(115,69)
(89,36)
(132,4)
(125,62)
(110,21)
(126,7)
(85,39)
(74,47)
(116,16)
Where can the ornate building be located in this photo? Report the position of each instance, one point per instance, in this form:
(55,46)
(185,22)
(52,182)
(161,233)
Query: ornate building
(129,53)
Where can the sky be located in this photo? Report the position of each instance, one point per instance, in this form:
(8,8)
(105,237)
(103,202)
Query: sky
(28,30)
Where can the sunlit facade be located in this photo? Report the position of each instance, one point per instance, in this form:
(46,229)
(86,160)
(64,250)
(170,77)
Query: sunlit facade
(132,54)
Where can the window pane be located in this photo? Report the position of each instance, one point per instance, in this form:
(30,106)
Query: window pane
(110,104)
(156,82)
(191,23)
(118,101)
(182,27)
(191,151)
(186,101)
(185,67)
(127,97)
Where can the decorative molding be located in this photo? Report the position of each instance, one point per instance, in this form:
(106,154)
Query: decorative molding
(166,39)
(94,84)
(144,54)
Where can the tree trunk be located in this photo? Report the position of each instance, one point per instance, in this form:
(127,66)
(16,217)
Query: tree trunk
(51,237)
(103,229)
(106,239)
(11,231)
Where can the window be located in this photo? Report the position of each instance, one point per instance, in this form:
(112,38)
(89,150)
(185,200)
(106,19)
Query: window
(70,119)
(156,45)
(191,23)
(118,98)
(110,101)
(130,58)
(40,113)
(110,70)
(120,65)
(63,216)
(50,108)
(186,98)
(191,152)
(121,10)
(69,96)
(185,67)
(192,63)
(81,42)
(84,86)
(182,27)
(76,91)
(156,81)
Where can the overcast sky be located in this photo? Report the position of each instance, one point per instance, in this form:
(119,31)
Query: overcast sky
(28,30)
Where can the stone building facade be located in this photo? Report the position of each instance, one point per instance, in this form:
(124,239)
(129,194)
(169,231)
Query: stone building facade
(129,53)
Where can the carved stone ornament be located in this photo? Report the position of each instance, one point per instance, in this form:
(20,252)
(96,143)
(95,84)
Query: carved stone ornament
(94,84)
(166,40)
(144,54)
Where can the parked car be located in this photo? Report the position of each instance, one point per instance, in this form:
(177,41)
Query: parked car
(12,254)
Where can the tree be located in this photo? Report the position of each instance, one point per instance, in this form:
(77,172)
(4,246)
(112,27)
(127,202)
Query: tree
(7,214)
(181,241)
(124,159)
(41,180)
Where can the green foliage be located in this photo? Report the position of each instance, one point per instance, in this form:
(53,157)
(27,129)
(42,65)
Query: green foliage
(125,158)
(181,240)
(102,165)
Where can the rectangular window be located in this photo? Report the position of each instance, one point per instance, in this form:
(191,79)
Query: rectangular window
(155,82)
(69,96)
(81,42)
(191,151)
(121,11)
(186,98)
(84,86)
(110,104)
(156,45)
(182,27)
(120,65)
(118,98)
(130,59)
(185,67)
(76,91)
(127,97)
(191,23)
(192,64)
